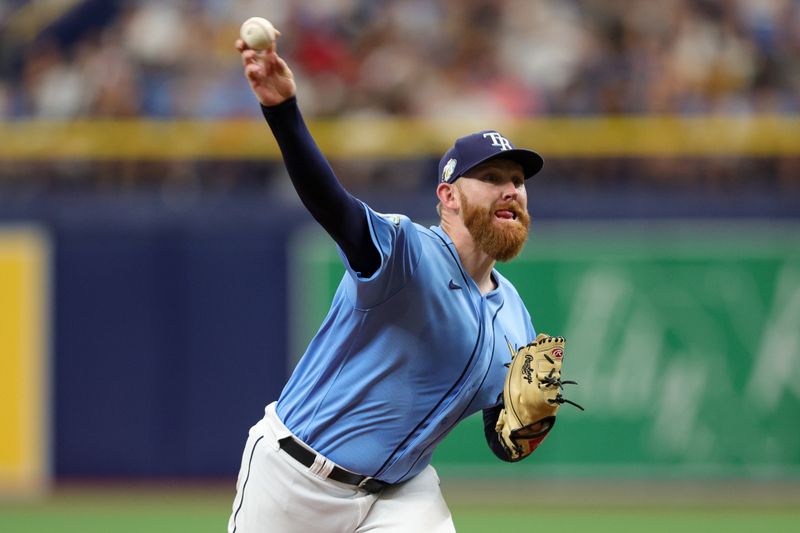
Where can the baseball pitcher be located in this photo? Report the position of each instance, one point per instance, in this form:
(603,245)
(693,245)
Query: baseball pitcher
(422,333)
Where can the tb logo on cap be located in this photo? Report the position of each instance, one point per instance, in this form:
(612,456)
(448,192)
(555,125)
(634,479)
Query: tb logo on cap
(498,140)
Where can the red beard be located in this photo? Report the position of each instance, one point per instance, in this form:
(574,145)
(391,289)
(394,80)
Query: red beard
(501,241)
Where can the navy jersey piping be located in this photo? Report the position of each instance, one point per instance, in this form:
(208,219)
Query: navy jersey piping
(452,388)
(458,419)
(435,407)
(246,479)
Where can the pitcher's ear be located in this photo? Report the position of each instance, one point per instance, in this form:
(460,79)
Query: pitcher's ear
(448,195)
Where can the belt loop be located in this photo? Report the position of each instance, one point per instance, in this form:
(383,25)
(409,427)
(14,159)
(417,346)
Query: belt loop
(322,467)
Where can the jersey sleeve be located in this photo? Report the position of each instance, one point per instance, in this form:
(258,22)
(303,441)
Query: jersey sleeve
(525,332)
(397,241)
(517,307)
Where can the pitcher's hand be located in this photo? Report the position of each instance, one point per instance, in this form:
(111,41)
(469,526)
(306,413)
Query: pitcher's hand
(269,76)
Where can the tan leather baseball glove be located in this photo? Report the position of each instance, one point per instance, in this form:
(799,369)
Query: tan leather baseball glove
(532,395)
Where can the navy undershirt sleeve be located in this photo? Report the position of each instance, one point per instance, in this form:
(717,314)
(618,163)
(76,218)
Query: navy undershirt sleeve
(492,438)
(336,210)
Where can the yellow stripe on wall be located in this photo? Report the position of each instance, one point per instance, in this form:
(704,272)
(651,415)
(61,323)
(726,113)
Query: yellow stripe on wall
(24,342)
(749,135)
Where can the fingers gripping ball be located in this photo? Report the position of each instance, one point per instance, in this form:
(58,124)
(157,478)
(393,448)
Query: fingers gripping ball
(259,33)
(532,395)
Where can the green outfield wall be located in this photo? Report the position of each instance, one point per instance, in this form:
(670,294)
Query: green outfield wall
(683,335)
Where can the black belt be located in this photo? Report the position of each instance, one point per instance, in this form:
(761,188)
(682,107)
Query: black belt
(306,457)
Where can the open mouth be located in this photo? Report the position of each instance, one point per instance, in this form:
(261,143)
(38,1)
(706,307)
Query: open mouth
(505,214)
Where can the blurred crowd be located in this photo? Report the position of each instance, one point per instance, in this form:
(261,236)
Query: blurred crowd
(423,58)
(419,58)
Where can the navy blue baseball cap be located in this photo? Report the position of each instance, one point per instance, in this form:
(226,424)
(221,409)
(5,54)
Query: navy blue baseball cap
(472,150)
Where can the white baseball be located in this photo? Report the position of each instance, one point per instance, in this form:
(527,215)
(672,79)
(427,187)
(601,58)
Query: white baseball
(258,33)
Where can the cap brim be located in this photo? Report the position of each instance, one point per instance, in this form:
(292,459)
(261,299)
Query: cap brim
(530,161)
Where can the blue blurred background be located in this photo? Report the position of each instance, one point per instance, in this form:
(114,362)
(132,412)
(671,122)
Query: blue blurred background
(180,284)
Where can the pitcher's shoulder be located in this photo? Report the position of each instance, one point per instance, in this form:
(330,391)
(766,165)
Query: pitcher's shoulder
(394,218)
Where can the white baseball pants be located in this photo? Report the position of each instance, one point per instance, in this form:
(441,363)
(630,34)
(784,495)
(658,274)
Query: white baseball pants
(275,493)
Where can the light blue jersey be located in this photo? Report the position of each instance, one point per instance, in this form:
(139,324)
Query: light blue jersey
(403,355)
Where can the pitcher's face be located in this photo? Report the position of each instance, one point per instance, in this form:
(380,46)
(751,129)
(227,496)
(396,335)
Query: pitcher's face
(494,207)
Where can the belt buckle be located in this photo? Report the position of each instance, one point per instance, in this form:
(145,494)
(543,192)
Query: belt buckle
(371,485)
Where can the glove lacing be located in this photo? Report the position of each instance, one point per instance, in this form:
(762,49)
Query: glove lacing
(550,381)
